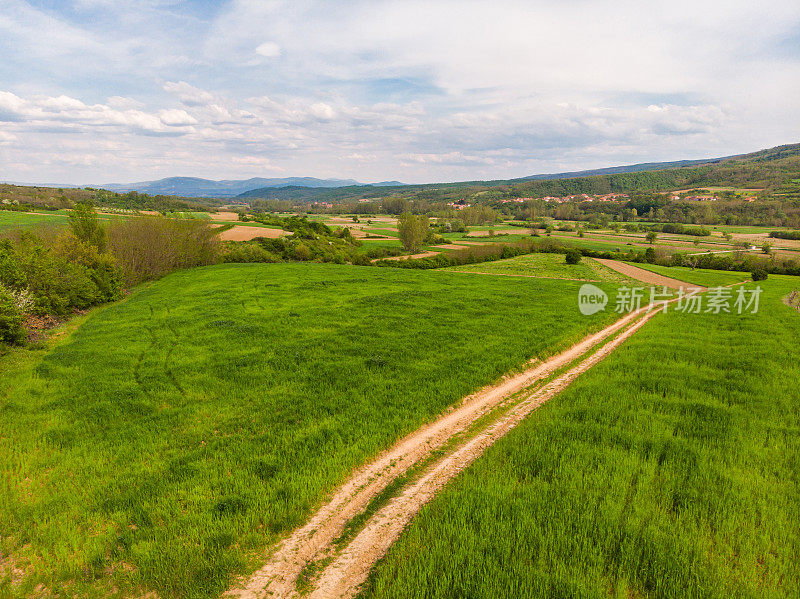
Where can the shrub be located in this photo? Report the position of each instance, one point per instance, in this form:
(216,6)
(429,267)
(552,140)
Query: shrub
(759,274)
(794,235)
(103,269)
(650,256)
(60,275)
(247,252)
(150,247)
(11,330)
(573,257)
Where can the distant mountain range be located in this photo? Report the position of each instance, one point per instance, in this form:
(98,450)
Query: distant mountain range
(311,188)
(618,170)
(195,187)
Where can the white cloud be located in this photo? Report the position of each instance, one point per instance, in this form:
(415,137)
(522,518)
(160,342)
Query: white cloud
(393,89)
(268,49)
(188,94)
(322,111)
(7,138)
(176,118)
(122,103)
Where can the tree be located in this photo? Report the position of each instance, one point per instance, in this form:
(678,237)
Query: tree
(395,205)
(533,216)
(573,256)
(650,256)
(651,237)
(85,226)
(766,247)
(413,230)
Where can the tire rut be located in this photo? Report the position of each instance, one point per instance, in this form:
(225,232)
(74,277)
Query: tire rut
(349,570)
(314,540)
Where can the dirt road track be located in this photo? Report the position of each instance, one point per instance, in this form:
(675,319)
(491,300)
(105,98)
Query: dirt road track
(645,276)
(351,568)
(313,541)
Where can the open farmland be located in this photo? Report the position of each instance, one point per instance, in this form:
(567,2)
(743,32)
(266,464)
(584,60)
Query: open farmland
(698,276)
(549,266)
(224,402)
(13,220)
(663,472)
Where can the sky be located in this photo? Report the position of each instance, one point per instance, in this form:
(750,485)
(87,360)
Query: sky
(102,91)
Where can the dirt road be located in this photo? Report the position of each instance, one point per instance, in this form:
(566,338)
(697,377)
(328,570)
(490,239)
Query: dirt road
(645,276)
(347,570)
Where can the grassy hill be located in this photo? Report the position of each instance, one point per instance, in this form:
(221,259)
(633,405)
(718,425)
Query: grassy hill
(178,432)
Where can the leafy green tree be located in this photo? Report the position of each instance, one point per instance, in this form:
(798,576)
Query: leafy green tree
(651,237)
(650,256)
(85,226)
(413,230)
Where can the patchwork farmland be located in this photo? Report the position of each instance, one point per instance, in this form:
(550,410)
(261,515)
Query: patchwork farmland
(240,403)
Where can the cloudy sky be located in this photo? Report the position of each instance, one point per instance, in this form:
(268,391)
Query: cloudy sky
(98,91)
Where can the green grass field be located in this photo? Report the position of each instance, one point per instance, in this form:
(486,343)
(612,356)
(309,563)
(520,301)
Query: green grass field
(698,276)
(547,266)
(378,231)
(175,434)
(10,220)
(671,469)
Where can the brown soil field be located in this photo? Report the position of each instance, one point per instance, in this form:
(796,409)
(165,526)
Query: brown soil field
(238,233)
(227,216)
(645,276)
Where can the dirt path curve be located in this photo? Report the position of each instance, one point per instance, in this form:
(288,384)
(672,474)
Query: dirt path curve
(277,578)
(350,569)
(645,276)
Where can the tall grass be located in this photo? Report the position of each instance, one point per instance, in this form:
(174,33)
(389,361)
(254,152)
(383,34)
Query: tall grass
(180,431)
(671,469)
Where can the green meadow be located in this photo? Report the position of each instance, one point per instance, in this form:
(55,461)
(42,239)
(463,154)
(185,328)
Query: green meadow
(546,266)
(671,469)
(698,276)
(10,220)
(173,436)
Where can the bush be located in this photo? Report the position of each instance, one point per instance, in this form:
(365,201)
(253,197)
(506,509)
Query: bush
(61,275)
(759,274)
(11,330)
(794,235)
(573,257)
(650,256)
(247,252)
(150,247)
